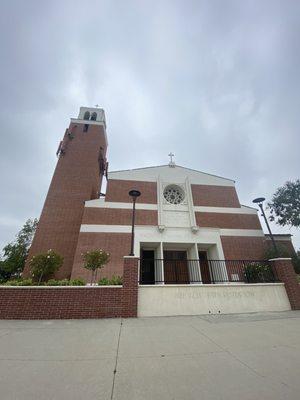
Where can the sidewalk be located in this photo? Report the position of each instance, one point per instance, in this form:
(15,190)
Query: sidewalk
(254,356)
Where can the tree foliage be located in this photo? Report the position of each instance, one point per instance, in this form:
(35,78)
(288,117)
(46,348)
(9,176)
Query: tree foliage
(43,265)
(285,204)
(94,260)
(15,253)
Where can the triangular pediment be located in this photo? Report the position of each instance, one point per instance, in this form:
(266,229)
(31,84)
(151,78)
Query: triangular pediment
(168,173)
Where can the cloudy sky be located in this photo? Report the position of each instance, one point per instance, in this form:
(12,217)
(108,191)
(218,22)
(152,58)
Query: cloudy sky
(217,82)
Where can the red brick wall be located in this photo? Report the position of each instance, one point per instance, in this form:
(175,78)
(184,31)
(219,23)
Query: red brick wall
(76,179)
(130,289)
(118,216)
(283,243)
(59,303)
(243,247)
(285,272)
(215,196)
(117,190)
(73,302)
(117,244)
(227,221)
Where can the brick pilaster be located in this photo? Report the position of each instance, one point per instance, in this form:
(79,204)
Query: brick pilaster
(285,272)
(130,287)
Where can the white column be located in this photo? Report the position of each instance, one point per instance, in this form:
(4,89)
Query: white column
(159,266)
(194,265)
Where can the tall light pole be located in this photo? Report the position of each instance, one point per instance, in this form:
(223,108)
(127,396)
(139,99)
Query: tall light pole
(134,194)
(259,201)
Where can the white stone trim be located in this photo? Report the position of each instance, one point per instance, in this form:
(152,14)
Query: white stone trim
(190,205)
(226,210)
(153,229)
(87,122)
(282,238)
(242,232)
(159,204)
(280,259)
(105,228)
(212,285)
(101,203)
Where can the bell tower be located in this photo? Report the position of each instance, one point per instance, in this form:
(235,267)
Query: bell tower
(77,177)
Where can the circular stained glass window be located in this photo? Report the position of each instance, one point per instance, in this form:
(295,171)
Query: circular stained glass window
(174,194)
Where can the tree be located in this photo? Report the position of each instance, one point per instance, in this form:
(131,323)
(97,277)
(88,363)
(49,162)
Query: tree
(43,265)
(283,251)
(285,204)
(15,253)
(94,260)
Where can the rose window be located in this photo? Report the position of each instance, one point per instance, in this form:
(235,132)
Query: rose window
(174,194)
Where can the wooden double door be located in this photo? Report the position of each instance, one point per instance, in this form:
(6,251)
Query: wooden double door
(176,269)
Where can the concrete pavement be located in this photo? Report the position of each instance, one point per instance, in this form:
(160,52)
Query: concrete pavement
(246,356)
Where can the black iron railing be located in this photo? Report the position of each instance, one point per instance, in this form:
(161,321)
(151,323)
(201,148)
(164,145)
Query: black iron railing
(159,271)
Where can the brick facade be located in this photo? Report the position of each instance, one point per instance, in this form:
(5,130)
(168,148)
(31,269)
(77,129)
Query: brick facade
(76,179)
(117,244)
(243,247)
(73,302)
(215,196)
(227,221)
(118,216)
(285,272)
(288,244)
(117,191)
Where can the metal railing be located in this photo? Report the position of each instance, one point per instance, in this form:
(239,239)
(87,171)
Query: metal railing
(165,271)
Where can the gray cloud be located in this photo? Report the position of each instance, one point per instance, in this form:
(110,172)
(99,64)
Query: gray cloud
(216,82)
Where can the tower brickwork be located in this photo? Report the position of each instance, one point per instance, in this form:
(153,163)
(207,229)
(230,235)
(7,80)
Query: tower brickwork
(76,179)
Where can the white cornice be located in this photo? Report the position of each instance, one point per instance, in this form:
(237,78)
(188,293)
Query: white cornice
(127,229)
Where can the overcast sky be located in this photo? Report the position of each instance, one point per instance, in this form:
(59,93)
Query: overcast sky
(216,82)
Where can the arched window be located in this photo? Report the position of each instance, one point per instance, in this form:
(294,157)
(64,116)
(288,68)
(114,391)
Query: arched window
(86,115)
(94,116)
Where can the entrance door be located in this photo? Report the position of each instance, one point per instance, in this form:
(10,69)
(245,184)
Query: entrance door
(147,275)
(204,267)
(176,267)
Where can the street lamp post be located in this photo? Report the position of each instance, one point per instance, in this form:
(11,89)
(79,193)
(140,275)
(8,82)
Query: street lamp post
(259,201)
(134,194)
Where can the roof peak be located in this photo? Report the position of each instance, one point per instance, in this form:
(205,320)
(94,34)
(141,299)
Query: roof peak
(173,166)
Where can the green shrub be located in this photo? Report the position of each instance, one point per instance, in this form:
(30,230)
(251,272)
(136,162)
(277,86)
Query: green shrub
(56,282)
(103,282)
(19,282)
(256,272)
(43,265)
(77,282)
(115,280)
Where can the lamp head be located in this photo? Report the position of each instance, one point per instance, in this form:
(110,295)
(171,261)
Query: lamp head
(134,193)
(259,200)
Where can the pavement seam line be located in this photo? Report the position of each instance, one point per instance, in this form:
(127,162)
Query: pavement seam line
(116,362)
(228,352)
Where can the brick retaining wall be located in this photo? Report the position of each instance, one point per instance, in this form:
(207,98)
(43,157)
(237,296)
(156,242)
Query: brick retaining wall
(70,302)
(60,302)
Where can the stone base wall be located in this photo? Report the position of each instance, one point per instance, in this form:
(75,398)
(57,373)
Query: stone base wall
(171,300)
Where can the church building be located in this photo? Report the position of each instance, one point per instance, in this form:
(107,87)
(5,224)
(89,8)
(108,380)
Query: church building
(187,222)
